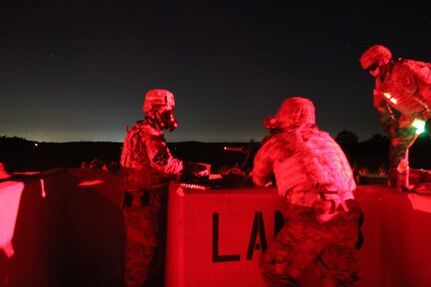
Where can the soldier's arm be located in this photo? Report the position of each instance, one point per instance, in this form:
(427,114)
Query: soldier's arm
(162,160)
(407,75)
(386,115)
(262,168)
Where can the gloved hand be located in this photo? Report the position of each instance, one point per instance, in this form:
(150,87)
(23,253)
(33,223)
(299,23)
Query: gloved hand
(193,170)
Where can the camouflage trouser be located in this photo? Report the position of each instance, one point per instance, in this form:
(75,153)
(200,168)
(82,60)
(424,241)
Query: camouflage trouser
(303,240)
(399,150)
(400,145)
(145,224)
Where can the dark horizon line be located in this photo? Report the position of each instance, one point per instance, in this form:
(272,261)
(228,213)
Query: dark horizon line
(169,142)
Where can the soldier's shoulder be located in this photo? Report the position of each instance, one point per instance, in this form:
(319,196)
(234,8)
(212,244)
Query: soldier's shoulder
(404,66)
(142,128)
(412,73)
(324,134)
(272,139)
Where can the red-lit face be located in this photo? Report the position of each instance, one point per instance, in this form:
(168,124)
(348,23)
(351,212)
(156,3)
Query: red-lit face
(374,70)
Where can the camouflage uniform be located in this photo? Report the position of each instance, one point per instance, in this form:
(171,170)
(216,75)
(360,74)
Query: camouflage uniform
(314,177)
(147,166)
(403,85)
(408,84)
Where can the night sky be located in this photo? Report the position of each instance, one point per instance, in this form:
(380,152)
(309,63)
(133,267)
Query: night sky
(78,70)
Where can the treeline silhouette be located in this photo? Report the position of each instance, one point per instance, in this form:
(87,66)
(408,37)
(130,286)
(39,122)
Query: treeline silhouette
(20,155)
(373,153)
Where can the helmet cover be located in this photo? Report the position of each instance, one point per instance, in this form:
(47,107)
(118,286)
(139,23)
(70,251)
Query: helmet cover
(376,55)
(295,112)
(158,97)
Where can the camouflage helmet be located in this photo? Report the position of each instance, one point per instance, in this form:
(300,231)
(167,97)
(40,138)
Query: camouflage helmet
(375,56)
(158,97)
(293,113)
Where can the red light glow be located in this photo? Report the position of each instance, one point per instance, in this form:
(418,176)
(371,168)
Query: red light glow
(390,98)
(91,182)
(10,197)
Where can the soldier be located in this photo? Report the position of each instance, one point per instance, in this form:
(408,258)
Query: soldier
(147,166)
(315,180)
(405,86)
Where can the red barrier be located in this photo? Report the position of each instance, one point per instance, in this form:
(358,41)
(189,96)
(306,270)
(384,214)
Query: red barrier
(215,236)
(69,232)
(66,233)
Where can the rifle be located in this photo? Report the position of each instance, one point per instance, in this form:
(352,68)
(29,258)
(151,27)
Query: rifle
(249,150)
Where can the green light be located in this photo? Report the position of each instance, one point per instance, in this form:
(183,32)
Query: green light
(419,125)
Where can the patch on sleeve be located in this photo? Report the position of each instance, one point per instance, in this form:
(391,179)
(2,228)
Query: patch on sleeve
(161,158)
(405,74)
